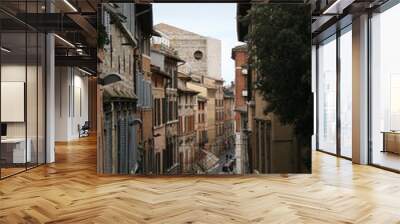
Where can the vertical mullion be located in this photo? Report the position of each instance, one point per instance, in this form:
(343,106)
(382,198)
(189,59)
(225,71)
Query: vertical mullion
(338,97)
(26,86)
(37,90)
(369,100)
(73,91)
(317,93)
(46,36)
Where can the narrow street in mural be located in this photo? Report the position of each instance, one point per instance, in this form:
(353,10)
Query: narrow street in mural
(179,95)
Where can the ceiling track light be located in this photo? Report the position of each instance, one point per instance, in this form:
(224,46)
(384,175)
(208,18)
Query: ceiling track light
(5,49)
(334,5)
(84,71)
(337,7)
(65,41)
(70,6)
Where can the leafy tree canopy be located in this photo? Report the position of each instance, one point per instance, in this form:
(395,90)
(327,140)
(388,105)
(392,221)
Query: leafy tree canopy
(280,47)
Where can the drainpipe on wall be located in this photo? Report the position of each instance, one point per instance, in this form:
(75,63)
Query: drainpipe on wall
(248,131)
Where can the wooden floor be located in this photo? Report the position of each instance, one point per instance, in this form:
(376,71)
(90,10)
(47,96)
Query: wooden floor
(8,171)
(387,159)
(69,191)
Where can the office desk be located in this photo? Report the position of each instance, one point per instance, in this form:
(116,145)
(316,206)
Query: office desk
(391,141)
(13,150)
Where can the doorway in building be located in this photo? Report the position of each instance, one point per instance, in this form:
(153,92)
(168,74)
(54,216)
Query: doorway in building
(75,71)
(75,103)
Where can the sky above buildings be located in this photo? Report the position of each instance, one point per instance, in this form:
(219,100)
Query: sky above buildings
(215,20)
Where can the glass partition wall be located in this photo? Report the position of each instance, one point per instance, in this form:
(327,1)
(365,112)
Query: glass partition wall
(327,95)
(334,89)
(345,91)
(22,77)
(385,89)
(334,94)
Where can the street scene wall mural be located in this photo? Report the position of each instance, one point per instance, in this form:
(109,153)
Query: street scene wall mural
(204,89)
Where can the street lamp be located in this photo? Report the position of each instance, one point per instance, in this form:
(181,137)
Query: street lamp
(245,70)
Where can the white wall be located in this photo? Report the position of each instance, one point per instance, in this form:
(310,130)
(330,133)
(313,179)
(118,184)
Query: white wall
(214,57)
(16,73)
(71,103)
(33,126)
(157,59)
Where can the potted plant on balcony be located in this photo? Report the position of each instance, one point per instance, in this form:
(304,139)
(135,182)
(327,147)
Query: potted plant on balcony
(102,40)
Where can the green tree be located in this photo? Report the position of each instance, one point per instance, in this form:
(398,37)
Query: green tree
(279,41)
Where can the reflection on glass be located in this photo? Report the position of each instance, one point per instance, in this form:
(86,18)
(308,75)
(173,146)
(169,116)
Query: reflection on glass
(14,153)
(41,99)
(327,96)
(22,64)
(31,97)
(395,102)
(346,94)
(385,89)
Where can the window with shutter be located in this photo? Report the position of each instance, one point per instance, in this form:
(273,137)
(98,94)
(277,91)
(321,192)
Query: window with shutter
(148,91)
(175,110)
(164,110)
(159,116)
(154,112)
(147,94)
(144,93)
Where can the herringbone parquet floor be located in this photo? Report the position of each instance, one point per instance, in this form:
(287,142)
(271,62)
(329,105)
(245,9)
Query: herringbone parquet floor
(69,191)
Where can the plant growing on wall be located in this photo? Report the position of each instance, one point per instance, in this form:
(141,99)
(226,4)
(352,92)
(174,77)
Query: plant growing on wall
(280,46)
(102,37)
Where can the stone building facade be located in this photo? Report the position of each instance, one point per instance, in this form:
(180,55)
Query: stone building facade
(203,125)
(143,89)
(122,146)
(271,146)
(166,61)
(219,117)
(229,117)
(187,140)
(203,64)
(202,54)
(145,111)
(159,82)
(240,56)
(201,121)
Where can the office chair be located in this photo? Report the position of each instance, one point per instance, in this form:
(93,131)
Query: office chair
(84,130)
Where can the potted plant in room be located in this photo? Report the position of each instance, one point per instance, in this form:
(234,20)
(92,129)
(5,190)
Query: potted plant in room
(102,40)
